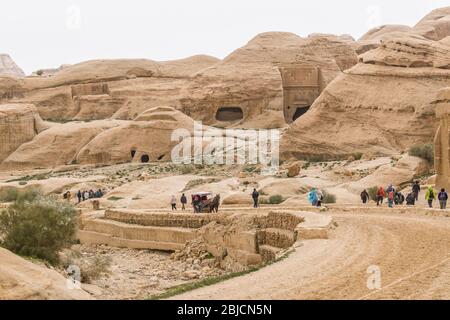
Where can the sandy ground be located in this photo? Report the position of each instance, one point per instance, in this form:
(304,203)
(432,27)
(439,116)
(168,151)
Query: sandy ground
(412,253)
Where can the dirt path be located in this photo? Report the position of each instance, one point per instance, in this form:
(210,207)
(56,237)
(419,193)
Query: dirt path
(412,252)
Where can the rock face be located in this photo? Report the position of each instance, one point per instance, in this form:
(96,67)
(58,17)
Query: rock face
(148,138)
(384,104)
(58,145)
(242,90)
(19,123)
(8,68)
(23,280)
(441,140)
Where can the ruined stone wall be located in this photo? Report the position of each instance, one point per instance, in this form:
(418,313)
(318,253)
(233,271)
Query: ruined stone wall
(182,220)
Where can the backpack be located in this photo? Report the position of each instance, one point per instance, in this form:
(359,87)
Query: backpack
(431,195)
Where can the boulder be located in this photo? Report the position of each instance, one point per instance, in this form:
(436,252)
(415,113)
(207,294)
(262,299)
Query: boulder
(293,170)
(23,280)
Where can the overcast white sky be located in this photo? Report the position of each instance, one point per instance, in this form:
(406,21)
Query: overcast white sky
(48,33)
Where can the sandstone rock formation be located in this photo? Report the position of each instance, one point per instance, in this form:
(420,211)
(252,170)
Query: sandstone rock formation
(19,123)
(23,280)
(58,145)
(382,105)
(8,68)
(244,87)
(441,140)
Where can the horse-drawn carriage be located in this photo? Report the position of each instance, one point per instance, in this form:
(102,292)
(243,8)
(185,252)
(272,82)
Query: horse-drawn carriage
(205,202)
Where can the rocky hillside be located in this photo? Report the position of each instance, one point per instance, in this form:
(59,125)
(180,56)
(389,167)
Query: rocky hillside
(122,89)
(385,103)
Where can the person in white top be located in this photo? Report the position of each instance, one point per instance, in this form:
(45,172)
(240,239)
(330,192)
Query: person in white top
(173,202)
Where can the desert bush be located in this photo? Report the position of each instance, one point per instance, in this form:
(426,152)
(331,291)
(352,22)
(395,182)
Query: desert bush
(424,151)
(263,200)
(187,169)
(328,197)
(372,193)
(14,194)
(276,199)
(114,198)
(8,194)
(37,226)
(91,268)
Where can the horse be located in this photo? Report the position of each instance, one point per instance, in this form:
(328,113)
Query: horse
(214,204)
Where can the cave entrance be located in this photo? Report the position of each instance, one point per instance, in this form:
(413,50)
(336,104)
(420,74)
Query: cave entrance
(300,111)
(132,152)
(229,114)
(145,158)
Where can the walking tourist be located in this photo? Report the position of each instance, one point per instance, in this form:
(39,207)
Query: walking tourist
(430,196)
(183,201)
(255,196)
(391,196)
(416,190)
(312,197)
(380,195)
(400,198)
(364,196)
(173,202)
(410,199)
(319,198)
(443,197)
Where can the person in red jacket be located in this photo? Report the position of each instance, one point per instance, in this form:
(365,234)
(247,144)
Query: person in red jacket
(380,195)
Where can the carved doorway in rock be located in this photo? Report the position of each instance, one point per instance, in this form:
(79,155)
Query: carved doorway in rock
(299,111)
(229,114)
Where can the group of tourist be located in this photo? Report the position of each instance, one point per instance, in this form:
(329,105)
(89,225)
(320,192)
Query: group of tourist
(395,197)
(315,197)
(84,195)
(183,201)
(199,203)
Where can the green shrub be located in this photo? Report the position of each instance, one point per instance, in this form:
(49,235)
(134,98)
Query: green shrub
(8,194)
(187,169)
(114,198)
(14,194)
(372,193)
(424,151)
(91,268)
(328,197)
(276,199)
(37,226)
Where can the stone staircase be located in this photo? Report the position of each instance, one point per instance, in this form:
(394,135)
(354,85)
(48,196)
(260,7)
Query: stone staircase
(268,236)
(278,235)
(140,230)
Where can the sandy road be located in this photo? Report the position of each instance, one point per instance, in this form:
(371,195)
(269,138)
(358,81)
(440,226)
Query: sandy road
(412,252)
